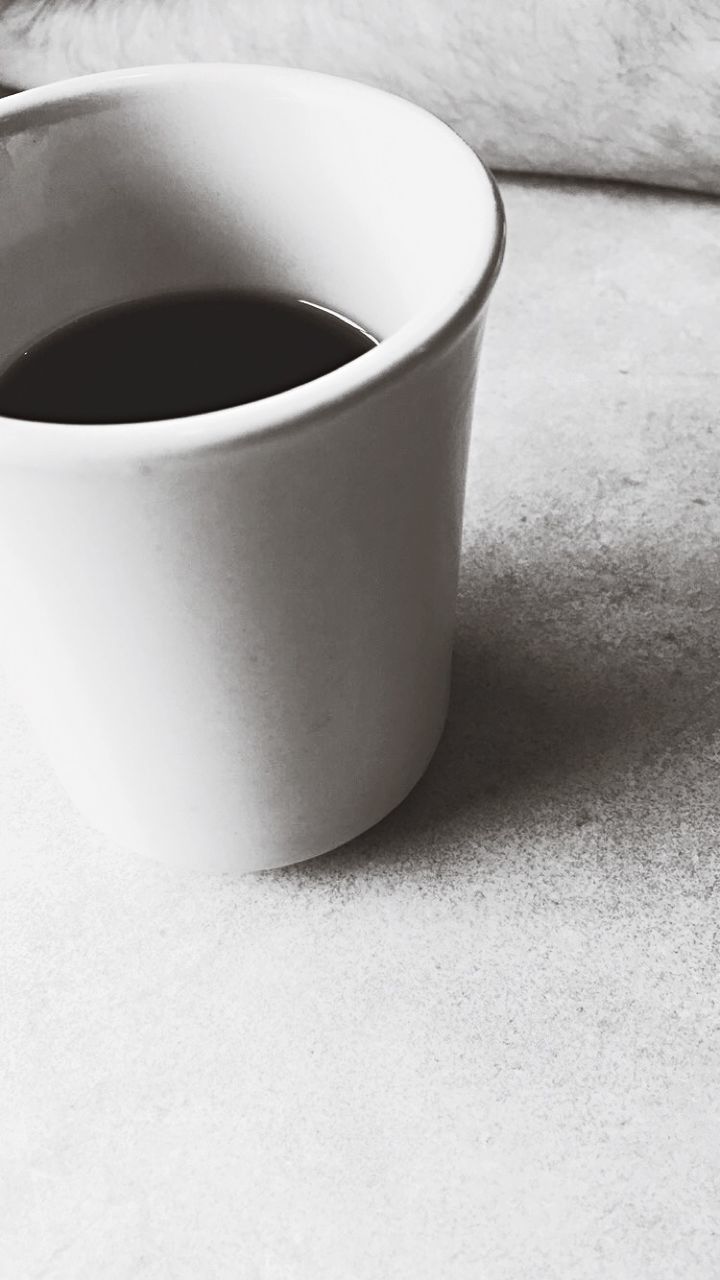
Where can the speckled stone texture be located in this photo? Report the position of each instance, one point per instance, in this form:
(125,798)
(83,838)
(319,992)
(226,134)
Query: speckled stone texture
(482,1042)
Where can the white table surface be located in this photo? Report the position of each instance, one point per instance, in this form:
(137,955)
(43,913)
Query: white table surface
(482,1042)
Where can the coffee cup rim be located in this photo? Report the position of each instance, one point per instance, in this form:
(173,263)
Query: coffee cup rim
(434,328)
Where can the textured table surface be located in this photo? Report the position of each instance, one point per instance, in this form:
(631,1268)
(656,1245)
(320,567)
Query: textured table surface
(484,1040)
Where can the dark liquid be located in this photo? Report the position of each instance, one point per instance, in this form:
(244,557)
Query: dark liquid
(173,356)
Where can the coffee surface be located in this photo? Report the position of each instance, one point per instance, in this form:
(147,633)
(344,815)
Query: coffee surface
(171,356)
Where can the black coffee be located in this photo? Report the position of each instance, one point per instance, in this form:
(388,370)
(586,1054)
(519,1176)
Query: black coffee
(173,356)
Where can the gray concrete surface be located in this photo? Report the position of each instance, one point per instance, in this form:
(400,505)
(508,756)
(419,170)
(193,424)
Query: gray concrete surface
(484,1040)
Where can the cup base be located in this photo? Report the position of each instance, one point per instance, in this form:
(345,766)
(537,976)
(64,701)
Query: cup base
(235,861)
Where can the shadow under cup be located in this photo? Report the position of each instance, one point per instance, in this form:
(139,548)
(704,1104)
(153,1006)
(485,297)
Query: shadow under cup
(233,631)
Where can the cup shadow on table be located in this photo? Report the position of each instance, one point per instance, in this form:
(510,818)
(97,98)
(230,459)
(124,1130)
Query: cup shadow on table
(563,711)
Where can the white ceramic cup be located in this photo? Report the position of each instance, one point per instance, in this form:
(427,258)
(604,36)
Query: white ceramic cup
(233,631)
